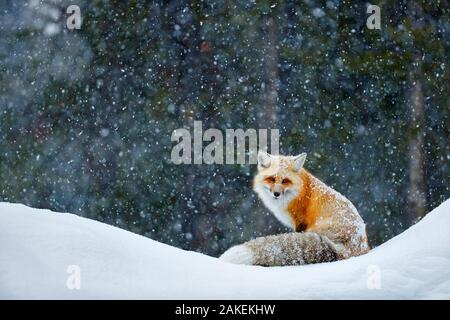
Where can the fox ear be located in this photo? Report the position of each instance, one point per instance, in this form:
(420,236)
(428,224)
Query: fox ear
(299,161)
(264,159)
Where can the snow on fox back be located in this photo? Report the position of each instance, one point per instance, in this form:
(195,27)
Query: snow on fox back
(345,211)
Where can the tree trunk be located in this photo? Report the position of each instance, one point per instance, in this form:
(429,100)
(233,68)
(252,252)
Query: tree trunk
(267,115)
(416,194)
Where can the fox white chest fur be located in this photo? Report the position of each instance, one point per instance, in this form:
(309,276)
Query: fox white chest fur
(277,206)
(277,184)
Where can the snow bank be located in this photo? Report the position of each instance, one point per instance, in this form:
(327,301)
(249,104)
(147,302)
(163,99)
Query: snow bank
(38,246)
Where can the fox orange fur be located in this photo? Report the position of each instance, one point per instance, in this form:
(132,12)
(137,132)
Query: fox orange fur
(327,226)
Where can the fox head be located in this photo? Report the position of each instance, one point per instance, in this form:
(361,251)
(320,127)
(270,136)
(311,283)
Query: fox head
(277,181)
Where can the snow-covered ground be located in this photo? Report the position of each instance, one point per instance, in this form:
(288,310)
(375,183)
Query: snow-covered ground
(43,254)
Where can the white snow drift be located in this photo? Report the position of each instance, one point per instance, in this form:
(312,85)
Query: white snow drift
(42,253)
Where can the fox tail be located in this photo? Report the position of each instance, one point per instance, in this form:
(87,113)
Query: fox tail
(295,248)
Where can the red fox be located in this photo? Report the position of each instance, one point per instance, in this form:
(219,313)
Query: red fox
(327,226)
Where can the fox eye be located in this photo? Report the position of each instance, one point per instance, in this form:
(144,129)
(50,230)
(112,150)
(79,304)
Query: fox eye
(270,179)
(286,181)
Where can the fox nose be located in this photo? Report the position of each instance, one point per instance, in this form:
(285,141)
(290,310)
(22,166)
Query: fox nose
(276,194)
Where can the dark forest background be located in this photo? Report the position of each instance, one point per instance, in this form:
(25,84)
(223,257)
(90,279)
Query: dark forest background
(86,115)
